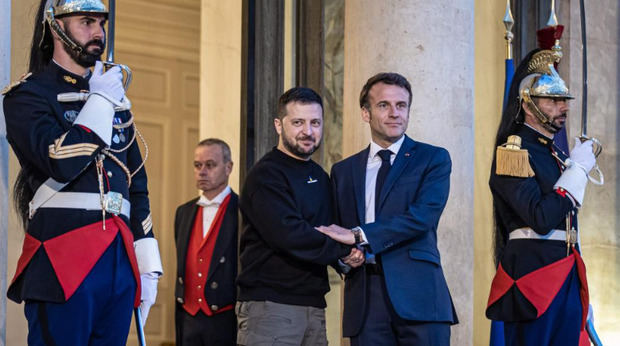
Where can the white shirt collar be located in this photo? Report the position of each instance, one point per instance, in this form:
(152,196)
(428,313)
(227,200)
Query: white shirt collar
(375,148)
(217,200)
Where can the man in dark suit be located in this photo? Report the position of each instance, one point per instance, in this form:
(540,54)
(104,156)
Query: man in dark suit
(389,199)
(205,230)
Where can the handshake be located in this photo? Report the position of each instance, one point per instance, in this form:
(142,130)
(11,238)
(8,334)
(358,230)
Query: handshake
(346,236)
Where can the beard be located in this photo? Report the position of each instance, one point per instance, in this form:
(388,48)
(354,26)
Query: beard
(85,58)
(557,123)
(291,144)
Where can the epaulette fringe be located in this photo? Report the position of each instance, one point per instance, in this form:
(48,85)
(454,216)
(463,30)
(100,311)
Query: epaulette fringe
(513,161)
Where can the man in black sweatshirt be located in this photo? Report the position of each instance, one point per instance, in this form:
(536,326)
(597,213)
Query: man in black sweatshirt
(283,278)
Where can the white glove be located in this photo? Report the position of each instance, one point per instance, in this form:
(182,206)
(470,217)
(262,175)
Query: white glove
(149,293)
(583,155)
(108,84)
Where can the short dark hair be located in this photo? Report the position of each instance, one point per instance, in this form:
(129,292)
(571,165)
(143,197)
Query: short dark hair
(390,78)
(297,94)
(216,141)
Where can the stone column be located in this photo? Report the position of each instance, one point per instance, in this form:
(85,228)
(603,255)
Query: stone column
(600,214)
(489,92)
(432,44)
(220,77)
(5,68)
(22,14)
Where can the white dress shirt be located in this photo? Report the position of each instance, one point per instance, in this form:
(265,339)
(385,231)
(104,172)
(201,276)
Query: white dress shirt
(210,207)
(372,169)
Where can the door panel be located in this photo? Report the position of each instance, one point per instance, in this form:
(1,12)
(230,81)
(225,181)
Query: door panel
(159,41)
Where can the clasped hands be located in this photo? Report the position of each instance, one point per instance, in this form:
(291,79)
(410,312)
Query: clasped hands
(344,235)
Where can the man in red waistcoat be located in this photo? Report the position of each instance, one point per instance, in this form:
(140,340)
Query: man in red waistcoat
(205,230)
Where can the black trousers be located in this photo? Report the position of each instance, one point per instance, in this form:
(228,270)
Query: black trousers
(382,326)
(202,330)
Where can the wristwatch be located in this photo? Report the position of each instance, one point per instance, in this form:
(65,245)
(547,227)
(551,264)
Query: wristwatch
(357,233)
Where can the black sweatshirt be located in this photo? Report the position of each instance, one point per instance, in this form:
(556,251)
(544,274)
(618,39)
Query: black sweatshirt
(283,258)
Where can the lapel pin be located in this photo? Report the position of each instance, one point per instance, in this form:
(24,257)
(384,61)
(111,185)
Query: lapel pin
(407,154)
(311,180)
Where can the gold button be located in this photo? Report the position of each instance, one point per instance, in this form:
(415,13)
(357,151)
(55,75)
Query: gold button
(180,300)
(199,300)
(214,285)
(214,307)
(200,260)
(109,174)
(223,259)
(199,286)
(181,280)
(199,275)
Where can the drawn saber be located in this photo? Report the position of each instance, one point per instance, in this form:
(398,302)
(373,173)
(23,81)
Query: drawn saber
(139,327)
(109,63)
(596,144)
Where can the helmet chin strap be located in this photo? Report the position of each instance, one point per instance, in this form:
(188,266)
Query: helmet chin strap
(62,35)
(543,118)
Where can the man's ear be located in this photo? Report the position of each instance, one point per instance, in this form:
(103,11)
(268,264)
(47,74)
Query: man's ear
(229,167)
(277,123)
(365,114)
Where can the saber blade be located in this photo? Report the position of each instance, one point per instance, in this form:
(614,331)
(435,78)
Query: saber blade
(584,97)
(139,327)
(111,34)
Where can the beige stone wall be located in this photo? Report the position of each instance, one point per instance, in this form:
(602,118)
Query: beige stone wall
(22,21)
(488,95)
(220,76)
(432,44)
(599,217)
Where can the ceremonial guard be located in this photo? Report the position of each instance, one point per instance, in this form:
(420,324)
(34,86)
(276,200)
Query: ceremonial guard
(89,256)
(540,288)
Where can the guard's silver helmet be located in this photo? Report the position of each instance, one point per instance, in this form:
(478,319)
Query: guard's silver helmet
(58,8)
(64,7)
(543,81)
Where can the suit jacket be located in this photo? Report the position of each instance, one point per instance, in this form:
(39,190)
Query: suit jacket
(404,234)
(223,267)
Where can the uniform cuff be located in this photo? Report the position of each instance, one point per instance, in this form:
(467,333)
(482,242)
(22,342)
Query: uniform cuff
(574,180)
(147,255)
(97,115)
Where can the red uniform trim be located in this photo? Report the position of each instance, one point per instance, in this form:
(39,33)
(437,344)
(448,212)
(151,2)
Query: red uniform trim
(201,247)
(583,291)
(74,254)
(500,285)
(85,128)
(131,253)
(542,285)
(29,248)
(584,339)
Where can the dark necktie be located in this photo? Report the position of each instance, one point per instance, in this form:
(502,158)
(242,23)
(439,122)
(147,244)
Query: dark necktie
(383,172)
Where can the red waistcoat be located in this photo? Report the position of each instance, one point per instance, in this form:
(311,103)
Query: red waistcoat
(198,260)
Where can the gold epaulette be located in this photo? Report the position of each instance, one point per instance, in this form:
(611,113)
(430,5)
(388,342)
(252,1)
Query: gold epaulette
(511,160)
(11,86)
